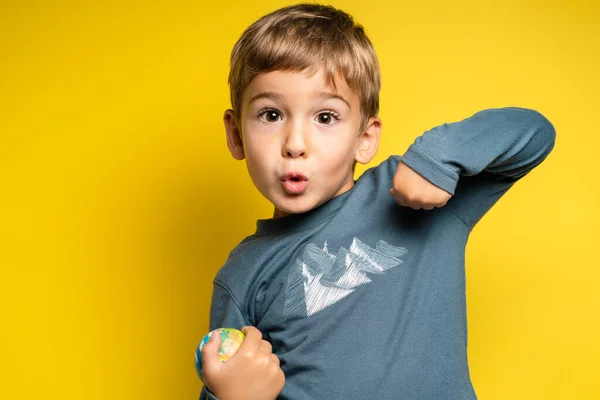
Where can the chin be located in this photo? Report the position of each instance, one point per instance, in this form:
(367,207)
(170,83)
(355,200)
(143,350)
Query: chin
(295,205)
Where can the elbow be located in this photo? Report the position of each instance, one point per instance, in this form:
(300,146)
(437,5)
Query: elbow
(543,130)
(546,132)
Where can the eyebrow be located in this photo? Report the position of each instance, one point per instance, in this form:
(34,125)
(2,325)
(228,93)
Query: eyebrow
(276,96)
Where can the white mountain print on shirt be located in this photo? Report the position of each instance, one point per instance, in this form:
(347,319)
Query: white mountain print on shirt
(321,279)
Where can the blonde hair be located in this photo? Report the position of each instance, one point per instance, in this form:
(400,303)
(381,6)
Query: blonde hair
(306,37)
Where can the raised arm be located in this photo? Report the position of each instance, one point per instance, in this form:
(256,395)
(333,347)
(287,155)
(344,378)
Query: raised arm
(478,159)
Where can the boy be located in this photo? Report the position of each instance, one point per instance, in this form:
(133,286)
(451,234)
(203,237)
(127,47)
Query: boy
(354,289)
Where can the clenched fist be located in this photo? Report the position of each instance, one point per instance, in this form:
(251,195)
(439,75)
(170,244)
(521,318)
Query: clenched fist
(252,373)
(412,190)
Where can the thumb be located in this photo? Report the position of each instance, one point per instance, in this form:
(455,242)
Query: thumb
(210,354)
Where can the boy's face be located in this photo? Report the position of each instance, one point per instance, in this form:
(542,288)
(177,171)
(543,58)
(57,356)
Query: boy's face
(300,138)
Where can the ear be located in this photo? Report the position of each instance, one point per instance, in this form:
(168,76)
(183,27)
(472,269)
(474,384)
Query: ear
(368,141)
(234,135)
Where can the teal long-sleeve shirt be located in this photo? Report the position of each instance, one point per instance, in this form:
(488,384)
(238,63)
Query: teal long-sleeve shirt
(362,298)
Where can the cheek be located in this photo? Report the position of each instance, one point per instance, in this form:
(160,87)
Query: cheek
(338,151)
(260,148)
(259,154)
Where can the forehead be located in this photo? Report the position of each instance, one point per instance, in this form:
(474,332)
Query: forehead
(286,84)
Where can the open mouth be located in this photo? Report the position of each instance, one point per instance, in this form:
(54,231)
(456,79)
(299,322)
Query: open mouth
(294,183)
(294,176)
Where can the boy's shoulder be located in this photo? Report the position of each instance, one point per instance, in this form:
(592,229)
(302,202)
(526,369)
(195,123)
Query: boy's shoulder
(242,254)
(246,261)
(385,169)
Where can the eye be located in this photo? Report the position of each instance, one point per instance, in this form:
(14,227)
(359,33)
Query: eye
(327,118)
(270,115)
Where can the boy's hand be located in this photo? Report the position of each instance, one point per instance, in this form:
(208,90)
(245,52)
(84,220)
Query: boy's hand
(252,373)
(412,190)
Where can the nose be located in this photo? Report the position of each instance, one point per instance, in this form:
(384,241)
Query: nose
(295,143)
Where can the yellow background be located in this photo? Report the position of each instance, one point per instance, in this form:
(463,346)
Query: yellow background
(119,200)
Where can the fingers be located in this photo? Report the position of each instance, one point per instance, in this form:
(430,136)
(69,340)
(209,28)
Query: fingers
(417,203)
(252,341)
(402,200)
(252,372)
(210,353)
(428,206)
(265,347)
(405,202)
(256,345)
(275,360)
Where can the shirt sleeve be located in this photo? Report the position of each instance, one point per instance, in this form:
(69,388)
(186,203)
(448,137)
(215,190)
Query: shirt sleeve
(488,151)
(224,313)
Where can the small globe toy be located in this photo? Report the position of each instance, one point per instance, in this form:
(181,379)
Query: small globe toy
(231,340)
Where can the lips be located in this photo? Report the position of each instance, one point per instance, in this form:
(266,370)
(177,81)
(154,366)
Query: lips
(294,183)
